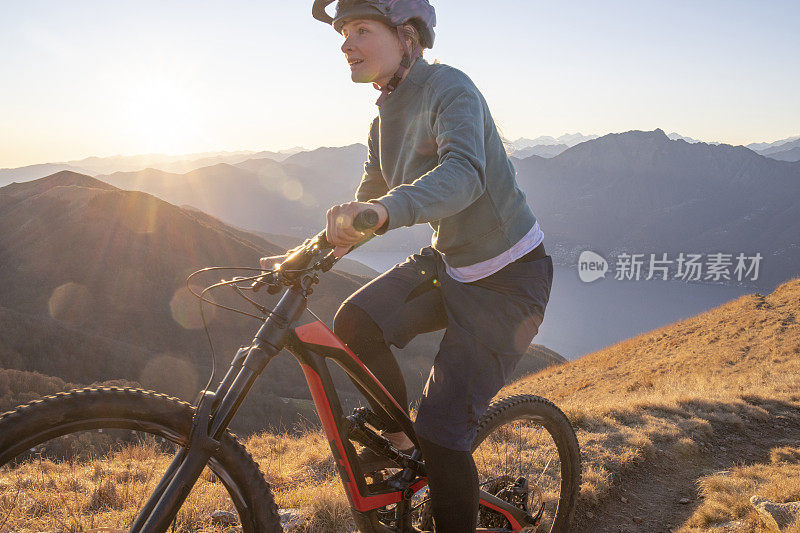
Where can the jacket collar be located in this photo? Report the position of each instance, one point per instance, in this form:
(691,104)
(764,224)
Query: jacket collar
(417,75)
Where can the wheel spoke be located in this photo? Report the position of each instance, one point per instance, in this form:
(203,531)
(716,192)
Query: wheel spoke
(518,461)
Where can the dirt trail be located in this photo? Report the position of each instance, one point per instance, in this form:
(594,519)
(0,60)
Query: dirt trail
(648,499)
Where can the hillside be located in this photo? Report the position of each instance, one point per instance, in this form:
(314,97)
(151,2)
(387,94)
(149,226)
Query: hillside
(658,412)
(678,427)
(790,154)
(92,285)
(92,282)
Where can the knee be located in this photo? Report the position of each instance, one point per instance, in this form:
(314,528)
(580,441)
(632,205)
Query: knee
(345,322)
(352,323)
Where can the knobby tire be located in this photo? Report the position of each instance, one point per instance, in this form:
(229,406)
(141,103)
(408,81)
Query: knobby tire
(39,421)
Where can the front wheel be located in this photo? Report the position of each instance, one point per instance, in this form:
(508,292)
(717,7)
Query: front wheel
(526,453)
(89,459)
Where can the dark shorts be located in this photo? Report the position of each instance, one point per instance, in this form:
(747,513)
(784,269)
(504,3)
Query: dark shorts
(489,324)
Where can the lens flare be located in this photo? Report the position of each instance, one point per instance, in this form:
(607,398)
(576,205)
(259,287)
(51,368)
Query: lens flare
(171,374)
(186,311)
(70,303)
(272,178)
(292,190)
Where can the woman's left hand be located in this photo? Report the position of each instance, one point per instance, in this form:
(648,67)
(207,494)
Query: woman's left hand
(339,229)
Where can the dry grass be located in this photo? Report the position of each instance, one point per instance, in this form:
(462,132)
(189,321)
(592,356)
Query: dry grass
(303,476)
(45,495)
(660,394)
(661,391)
(727,494)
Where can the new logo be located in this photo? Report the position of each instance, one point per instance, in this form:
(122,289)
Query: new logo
(591,266)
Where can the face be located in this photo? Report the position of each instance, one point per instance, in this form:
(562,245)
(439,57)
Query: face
(372,49)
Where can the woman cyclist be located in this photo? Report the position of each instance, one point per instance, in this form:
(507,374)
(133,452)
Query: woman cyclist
(435,156)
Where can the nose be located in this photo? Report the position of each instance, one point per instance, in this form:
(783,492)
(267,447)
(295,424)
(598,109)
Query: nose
(346,46)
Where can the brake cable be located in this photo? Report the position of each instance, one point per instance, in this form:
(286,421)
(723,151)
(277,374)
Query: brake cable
(234,284)
(203,299)
(314,244)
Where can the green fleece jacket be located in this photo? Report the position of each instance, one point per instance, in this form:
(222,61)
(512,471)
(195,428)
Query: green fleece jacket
(435,156)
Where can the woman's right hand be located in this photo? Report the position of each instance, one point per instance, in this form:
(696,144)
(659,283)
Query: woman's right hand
(339,229)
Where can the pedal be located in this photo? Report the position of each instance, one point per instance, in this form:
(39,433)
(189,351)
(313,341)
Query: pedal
(358,430)
(371,418)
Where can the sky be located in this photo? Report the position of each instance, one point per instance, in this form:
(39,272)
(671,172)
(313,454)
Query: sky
(97,78)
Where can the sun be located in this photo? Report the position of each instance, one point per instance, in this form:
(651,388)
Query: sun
(161,115)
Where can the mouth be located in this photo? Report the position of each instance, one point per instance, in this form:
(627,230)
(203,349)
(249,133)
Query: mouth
(354,62)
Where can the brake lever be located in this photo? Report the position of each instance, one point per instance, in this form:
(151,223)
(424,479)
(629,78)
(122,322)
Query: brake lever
(365,220)
(327,262)
(260,282)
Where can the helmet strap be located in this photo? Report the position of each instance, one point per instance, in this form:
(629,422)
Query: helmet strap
(405,65)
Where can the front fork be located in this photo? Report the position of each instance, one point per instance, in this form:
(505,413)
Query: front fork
(214,412)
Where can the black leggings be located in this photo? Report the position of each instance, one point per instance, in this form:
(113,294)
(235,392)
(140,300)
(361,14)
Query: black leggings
(452,476)
(364,337)
(453,485)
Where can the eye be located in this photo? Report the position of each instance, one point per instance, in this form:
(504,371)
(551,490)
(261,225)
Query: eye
(362,31)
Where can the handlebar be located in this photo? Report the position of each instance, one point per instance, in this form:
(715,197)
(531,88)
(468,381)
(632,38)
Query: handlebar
(366,220)
(302,256)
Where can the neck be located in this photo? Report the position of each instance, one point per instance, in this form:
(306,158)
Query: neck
(380,84)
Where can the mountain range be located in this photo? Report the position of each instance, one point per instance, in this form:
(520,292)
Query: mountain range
(783,150)
(92,285)
(570,139)
(92,288)
(542,150)
(790,154)
(764,148)
(642,192)
(260,194)
(125,163)
(636,191)
(544,146)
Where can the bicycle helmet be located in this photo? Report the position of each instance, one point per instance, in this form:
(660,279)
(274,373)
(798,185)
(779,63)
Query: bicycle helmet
(393,13)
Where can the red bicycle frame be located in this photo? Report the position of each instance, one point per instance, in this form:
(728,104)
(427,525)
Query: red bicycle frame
(312,344)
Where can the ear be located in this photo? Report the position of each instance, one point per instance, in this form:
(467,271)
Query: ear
(399,42)
(408,40)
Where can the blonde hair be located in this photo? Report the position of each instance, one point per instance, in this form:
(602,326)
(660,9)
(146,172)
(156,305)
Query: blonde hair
(411,33)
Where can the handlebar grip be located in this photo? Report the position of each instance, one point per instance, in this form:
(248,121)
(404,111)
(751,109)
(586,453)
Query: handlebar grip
(365,220)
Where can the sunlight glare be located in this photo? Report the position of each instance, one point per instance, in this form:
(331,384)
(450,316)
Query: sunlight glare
(162,115)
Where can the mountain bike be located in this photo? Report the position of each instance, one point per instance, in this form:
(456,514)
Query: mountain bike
(65,457)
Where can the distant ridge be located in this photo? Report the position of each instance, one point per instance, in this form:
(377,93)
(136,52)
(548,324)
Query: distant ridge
(641,192)
(791,154)
(64,178)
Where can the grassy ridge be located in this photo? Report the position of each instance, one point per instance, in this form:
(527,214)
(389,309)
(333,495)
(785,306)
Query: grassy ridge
(664,394)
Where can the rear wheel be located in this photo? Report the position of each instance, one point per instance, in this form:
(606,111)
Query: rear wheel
(526,453)
(89,459)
